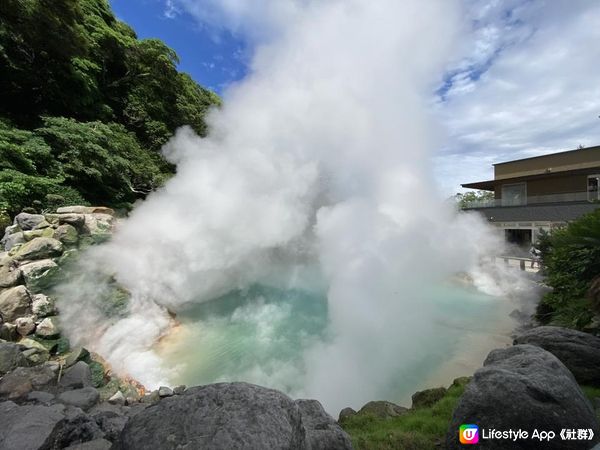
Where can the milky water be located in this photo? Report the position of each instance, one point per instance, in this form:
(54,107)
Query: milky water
(261,334)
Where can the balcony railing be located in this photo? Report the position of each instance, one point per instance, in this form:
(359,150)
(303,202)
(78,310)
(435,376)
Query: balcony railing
(531,200)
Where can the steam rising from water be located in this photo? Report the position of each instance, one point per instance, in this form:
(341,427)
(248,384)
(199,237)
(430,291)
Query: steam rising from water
(315,175)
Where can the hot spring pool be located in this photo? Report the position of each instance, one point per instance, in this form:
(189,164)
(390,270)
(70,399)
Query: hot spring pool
(261,335)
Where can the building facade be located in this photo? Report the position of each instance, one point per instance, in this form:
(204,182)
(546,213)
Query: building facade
(542,192)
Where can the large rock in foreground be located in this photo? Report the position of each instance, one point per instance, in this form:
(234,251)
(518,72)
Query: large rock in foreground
(579,351)
(229,416)
(28,427)
(523,387)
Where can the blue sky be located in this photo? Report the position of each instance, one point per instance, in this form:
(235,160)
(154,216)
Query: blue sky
(214,58)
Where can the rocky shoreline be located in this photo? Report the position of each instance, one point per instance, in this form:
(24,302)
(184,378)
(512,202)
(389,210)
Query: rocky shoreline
(53,395)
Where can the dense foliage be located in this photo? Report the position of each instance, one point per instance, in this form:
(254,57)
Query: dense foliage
(85,106)
(571,258)
(472,198)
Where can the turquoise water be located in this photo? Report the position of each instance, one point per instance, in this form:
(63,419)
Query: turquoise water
(248,336)
(260,335)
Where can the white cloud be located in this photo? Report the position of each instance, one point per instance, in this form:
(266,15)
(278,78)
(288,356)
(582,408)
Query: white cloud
(539,94)
(171,10)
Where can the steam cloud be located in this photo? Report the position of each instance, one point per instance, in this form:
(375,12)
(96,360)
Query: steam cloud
(319,158)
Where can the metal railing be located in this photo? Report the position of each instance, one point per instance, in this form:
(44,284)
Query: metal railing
(530,200)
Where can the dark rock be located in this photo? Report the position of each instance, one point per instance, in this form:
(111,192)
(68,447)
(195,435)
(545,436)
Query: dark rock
(523,387)
(111,423)
(76,428)
(383,409)
(218,416)
(40,397)
(76,377)
(28,427)
(8,332)
(579,351)
(96,444)
(83,398)
(11,357)
(322,431)
(15,302)
(346,412)
(28,221)
(428,397)
(23,380)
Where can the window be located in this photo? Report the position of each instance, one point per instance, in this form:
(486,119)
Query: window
(514,194)
(593,193)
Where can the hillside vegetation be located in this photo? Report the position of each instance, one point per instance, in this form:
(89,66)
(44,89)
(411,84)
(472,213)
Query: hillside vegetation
(85,106)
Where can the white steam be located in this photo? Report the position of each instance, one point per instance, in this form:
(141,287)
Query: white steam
(319,158)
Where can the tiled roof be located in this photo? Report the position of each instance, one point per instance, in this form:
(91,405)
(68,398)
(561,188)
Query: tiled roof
(557,212)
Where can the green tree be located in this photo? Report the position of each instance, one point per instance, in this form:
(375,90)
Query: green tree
(571,257)
(102,161)
(468,199)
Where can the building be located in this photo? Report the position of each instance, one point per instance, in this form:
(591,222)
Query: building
(540,192)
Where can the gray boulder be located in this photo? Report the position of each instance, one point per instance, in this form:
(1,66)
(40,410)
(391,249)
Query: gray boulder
(383,409)
(523,387)
(428,397)
(39,275)
(96,444)
(322,431)
(75,220)
(76,428)
(11,357)
(67,234)
(110,422)
(218,416)
(346,412)
(22,380)
(40,397)
(85,210)
(76,377)
(48,327)
(83,398)
(8,332)
(12,240)
(10,275)
(165,391)
(15,302)
(39,248)
(25,325)
(579,351)
(28,427)
(28,221)
(42,306)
